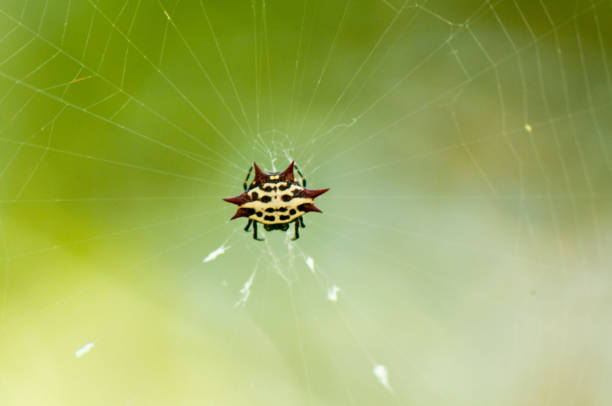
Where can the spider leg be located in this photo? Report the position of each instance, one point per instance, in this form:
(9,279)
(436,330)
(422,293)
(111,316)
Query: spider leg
(246,180)
(297,228)
(248,225)
(255,232)
(302,221)
(301,175)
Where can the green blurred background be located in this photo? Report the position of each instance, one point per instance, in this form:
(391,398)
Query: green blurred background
(468,227)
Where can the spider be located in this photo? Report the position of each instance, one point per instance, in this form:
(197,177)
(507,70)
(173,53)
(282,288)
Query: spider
(275,199)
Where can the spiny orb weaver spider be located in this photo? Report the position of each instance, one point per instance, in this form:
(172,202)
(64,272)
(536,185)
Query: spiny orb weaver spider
(275,199)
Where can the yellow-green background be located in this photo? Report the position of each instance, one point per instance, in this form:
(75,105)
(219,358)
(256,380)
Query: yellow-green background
(467,147)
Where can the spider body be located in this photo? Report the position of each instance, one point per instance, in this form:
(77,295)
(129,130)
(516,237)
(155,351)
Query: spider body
(275,199)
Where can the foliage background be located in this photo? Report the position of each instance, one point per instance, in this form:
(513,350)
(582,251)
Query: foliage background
(467,148)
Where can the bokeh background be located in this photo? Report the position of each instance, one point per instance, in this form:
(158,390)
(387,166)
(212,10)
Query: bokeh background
(463,256)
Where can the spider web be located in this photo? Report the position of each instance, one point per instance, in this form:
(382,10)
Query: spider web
(463,253)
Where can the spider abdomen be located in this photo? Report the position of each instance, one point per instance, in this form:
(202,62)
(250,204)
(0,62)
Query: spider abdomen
(275,199)
(278,202)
